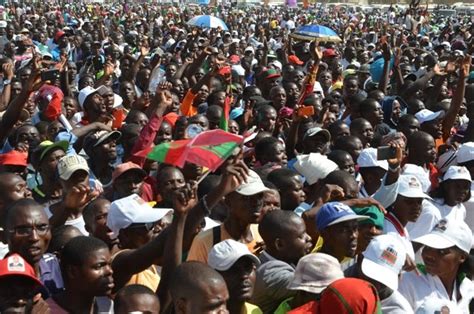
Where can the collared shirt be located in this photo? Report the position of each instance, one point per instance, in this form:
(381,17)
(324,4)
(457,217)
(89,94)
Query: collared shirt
(415,288)
(50,274)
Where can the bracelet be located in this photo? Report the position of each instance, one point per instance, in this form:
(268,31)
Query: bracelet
(207,210)
(394,169)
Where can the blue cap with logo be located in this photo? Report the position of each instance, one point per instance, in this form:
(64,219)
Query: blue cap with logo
(333,213)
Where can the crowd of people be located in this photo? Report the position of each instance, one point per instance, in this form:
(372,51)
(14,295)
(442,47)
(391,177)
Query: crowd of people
(351,192)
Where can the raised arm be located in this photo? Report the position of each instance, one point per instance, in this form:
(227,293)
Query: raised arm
(7,69)
(386,68)
(13,112)
(458,96)
(182,204)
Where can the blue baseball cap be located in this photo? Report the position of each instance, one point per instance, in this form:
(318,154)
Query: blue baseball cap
(333,213)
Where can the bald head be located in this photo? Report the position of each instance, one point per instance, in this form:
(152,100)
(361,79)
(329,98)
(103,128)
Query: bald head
(196,287)
(277,224)
(191,278)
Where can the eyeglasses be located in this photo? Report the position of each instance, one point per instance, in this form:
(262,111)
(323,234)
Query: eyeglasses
(23,231)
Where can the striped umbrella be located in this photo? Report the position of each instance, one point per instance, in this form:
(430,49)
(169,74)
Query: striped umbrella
(316,32)
(207,21)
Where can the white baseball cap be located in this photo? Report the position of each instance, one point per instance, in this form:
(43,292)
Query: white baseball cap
(384,259)
(249,48)
(317,130)
(457,173)
(315,272)
(409,186)
(466,152)
(426,115)
(69,164)
(314,167)
(224,254)
(420,173)
(433,305)
(446,160)
(446,233)
(131,210)
(87,91)
(368,158)
(254,185)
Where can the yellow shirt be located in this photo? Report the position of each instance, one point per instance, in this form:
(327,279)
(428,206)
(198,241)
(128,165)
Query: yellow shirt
(251,309)
(204,241)
(319,245)
(149,277)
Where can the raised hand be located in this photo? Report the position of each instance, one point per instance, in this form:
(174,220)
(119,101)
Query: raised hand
(185,199)
(465,66)
(396,162)
(7,69)
(165,99)
(34,82)
(316,52)
(109,69)
(164,86)
(234,175)
(79,196)
(144,50)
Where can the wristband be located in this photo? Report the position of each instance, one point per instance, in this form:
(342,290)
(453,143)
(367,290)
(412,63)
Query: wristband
(6,82)
(394,169)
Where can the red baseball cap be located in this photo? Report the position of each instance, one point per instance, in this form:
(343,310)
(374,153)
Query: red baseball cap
(14,158)
(225,71)
(125,167)
(293,59)
(15,265)
(329,53)
(234,59)
(58,35)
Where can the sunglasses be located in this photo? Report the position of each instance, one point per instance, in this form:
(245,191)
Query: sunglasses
(148,226)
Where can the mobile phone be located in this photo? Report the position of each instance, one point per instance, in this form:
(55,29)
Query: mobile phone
(49,75)
(306,111)
(386,152)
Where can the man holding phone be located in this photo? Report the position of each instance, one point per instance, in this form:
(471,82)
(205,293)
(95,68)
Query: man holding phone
(380,170)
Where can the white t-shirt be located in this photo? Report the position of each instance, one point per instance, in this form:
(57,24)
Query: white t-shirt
(79,222)
(457,212)
(415,288)
(395,304)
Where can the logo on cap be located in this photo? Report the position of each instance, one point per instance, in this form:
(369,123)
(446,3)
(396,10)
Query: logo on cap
(389,256)
(15,264)
(441,225)
(341,208)
(413,183)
